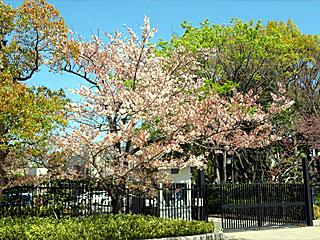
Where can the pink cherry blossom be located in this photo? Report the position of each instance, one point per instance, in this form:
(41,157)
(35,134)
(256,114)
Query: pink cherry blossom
(141,108)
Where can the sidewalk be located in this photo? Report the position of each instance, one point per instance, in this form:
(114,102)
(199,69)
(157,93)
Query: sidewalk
(289,233)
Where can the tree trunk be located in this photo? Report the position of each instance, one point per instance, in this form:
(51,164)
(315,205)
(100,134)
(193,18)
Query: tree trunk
(218,178)
(117,203)
(3,155)
(254,172)
(224,165)
(295,145)
(262,176)
(2,180)
(236,173)
(233,166)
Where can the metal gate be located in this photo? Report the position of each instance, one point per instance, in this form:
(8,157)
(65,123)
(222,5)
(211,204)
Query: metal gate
(179,201)
(262,205)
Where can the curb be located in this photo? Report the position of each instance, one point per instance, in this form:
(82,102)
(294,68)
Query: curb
(216,235)
(316,223)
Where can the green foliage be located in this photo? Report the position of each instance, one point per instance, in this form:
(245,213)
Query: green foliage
(214,199)
(28,114)
(317,198)
(29,33)
(29,117)
(38,211)
(245,51)
(253,56)
(221,89)
(100,227)
(316,212)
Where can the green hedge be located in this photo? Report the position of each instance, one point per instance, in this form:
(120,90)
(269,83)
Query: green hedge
(99,227)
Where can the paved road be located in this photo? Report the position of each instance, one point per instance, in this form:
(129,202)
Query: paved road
(290,233)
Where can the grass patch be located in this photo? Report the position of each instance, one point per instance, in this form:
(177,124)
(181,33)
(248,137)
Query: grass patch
(99,227)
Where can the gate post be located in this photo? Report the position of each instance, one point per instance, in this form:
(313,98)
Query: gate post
(307,193)
(202,209)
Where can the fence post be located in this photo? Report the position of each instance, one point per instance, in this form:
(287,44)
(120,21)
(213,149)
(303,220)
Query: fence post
(222,187)
(258,189)
(308,197)
(203,213)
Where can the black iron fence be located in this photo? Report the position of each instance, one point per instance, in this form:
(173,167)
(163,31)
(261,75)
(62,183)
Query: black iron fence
(239,205)
(59,199)
(55,199)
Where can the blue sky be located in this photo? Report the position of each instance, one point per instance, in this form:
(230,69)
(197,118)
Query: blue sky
(85,16)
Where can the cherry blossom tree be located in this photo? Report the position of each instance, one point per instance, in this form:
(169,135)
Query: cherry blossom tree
(140,109)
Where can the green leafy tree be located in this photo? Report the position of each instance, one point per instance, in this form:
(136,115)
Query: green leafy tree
(28,115)
(28,35)
(250,55)
(245,53)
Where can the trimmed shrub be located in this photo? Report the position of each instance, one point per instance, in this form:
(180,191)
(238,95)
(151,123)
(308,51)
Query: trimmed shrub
(99,227)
